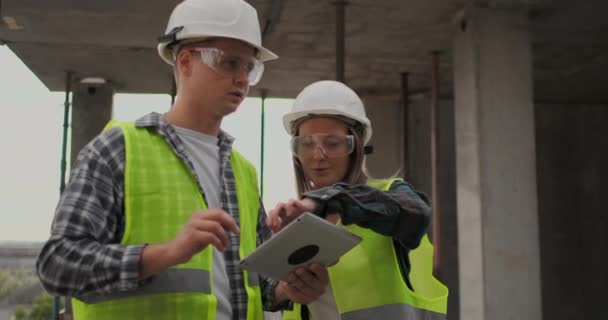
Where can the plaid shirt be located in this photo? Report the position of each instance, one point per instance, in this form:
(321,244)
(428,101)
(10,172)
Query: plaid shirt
(84,253)
(400,212)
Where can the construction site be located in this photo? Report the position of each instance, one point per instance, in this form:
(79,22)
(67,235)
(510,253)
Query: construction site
(496,109)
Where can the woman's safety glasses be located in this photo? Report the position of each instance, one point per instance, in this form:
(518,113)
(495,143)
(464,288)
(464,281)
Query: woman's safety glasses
(230,64)
(331,145)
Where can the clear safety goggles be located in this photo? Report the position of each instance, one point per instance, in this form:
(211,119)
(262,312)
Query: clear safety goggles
(331,145)
(230,65)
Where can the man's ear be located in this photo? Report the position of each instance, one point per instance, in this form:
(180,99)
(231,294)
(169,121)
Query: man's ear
(183,63)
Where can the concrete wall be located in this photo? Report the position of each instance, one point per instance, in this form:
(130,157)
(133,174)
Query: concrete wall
(572,166)
(572,174)
(572,153)
(386,139)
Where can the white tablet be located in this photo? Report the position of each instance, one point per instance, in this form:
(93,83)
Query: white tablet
(306,240)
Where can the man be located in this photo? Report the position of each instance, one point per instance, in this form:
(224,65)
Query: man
(158,213)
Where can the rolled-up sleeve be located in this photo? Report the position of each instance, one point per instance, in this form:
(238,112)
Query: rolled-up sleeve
(400,212)
(83,253)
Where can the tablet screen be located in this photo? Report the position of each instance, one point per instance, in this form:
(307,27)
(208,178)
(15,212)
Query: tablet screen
(306,240)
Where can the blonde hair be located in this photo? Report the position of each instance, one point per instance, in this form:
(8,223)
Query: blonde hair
(357,171)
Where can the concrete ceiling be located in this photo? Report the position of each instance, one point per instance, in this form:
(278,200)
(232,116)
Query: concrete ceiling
(116,39)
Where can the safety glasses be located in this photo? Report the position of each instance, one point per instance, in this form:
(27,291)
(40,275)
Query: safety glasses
(231,65)
(331,145)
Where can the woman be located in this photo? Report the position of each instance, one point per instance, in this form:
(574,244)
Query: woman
(388,275)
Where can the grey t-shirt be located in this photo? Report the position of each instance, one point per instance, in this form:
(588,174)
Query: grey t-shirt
(204,151)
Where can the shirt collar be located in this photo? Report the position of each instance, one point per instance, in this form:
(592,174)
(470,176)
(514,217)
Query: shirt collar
(157,121)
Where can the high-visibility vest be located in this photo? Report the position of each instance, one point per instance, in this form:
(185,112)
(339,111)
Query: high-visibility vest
(161,193)
(367,282)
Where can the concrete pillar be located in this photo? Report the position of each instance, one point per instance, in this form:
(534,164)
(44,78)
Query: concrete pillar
(495,166)
(91,111)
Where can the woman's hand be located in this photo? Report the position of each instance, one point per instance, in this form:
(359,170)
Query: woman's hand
(285,212)
(333,218)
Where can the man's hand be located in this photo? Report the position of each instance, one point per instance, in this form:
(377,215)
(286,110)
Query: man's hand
(303,285)
(285,212)
(205,227)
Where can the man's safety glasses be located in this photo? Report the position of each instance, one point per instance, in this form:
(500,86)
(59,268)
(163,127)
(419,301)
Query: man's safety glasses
(331,145)
(230,65)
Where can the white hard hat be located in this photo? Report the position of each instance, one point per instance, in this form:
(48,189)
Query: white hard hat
(192,19)
(328,98)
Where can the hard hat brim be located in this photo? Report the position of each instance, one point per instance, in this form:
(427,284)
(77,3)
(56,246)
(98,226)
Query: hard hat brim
(289,118)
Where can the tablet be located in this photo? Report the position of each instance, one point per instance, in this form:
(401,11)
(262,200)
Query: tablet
(305,240)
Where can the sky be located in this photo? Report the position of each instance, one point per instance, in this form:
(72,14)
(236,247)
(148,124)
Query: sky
(31,135)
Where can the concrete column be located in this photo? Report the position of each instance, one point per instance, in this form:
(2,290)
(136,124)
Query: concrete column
(495,164)
(91,111)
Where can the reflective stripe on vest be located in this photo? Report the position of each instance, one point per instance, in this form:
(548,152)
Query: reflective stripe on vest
(169,281)
(160,195)
(364,289)
(393,311)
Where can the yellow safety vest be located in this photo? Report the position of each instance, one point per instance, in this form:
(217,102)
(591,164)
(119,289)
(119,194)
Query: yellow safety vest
(160,195)
(367,282)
